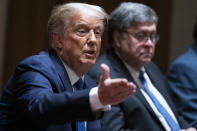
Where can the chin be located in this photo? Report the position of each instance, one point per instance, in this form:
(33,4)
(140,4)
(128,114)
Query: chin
(89,62)
(146,60)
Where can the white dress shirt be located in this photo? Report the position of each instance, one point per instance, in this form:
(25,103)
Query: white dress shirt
(94,99)
(157,94)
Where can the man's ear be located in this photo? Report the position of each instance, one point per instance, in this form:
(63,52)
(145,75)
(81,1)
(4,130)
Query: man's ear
(117,39)
(57,40)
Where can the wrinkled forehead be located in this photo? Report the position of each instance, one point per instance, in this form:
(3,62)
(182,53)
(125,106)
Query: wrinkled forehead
(81,18)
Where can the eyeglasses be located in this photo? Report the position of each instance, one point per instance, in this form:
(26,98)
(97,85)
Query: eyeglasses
(143,37)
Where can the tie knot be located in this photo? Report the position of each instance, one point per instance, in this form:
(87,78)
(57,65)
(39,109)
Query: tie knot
(79,84)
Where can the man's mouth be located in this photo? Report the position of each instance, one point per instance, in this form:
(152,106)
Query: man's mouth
(147,54)
(90,53)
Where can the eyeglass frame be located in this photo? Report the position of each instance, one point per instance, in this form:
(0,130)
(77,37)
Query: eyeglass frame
(154,37)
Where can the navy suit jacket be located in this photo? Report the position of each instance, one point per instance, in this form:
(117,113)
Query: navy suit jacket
(134,113)
(39,97)
(182,78)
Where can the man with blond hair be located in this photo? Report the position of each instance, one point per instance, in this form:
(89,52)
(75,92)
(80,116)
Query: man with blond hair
(51,91)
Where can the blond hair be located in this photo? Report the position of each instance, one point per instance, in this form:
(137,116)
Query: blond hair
(60,16)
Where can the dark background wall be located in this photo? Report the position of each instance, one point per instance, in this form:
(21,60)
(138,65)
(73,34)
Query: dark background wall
(26,29)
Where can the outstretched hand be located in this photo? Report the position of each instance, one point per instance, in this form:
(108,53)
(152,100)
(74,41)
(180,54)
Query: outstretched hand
(113,91)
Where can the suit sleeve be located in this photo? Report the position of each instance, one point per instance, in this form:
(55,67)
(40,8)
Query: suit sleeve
(183,84)
(39,100)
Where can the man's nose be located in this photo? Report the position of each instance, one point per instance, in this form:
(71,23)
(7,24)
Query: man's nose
(92,37)
(149,42)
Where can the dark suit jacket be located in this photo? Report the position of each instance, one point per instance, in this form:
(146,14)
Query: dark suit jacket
(182,78)
(134,113)
(39,97)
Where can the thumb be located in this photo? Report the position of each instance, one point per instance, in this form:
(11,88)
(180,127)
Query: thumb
(105,74)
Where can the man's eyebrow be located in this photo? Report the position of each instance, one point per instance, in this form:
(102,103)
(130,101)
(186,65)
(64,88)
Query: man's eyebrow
(98,26)
(80,24)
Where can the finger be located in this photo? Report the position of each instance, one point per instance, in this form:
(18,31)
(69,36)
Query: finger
(117,88)
(116,82)
(126,89)
(131,84)
(122,96)
(106,70)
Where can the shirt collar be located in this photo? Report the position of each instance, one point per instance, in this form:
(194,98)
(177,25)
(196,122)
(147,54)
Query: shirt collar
(134,73)
(71,74)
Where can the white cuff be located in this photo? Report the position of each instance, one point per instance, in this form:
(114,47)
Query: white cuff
(95,102)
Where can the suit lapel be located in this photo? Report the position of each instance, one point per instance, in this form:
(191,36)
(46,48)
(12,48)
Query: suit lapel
(154,78)
(117,67)
(64,76)
(61,71)
(122,72)
(88,82)
(157,80)
(141,97)
(161,85)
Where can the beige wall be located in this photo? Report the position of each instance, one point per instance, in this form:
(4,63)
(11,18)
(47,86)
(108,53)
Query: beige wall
(3,12)
(184,13)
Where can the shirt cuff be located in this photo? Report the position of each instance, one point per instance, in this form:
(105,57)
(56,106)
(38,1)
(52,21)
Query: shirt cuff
(95,102)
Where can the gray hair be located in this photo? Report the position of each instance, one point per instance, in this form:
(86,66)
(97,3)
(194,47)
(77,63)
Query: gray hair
(128,14)
(61,14)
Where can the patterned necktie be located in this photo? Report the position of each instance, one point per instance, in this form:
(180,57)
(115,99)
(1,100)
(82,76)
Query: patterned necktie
(174,126)
(81,124)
